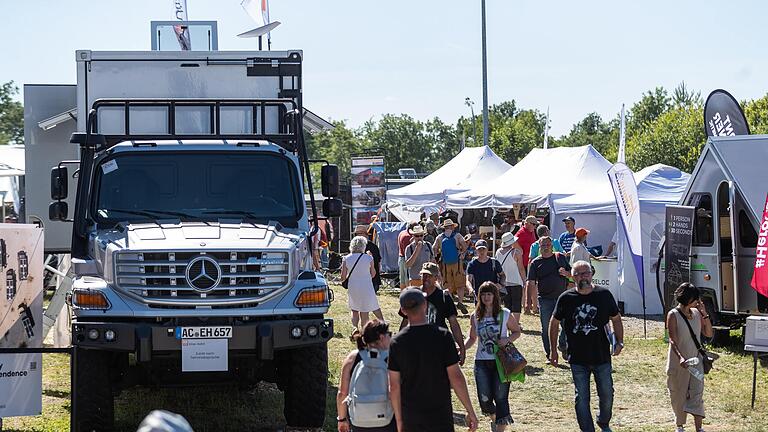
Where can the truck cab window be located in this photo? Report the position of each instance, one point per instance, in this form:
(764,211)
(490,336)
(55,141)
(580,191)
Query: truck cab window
(703,232)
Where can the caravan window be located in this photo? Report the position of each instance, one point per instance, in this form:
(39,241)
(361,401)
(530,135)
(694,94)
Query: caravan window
(747,233)
(703,232)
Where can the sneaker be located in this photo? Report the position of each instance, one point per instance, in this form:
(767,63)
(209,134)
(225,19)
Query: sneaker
(460,306)
(605,428)
(493,427)
(679,429)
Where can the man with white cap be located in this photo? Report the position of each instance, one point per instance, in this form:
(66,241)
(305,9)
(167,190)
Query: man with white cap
(510,257)
(450,246)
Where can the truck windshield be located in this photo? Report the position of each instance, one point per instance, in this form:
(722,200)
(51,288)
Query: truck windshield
(145,186)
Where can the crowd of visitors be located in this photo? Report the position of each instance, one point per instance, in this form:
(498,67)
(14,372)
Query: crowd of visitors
(531,272)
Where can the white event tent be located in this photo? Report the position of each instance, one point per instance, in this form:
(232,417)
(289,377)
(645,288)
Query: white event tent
(472,167)
(11,167)
(542,175)
(657,186)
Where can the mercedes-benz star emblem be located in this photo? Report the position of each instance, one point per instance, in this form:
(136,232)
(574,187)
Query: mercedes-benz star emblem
(203,274)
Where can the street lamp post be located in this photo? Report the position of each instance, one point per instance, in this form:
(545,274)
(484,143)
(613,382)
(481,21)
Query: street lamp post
(471,106)
(485,82)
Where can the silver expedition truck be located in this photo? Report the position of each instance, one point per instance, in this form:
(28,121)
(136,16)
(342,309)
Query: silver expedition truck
(190,237)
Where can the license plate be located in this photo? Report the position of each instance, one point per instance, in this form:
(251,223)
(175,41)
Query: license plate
(221,332)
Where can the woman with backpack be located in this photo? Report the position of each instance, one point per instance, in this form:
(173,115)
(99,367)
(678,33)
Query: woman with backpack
(363,402)
(494,326)
(357,270)
(686,323)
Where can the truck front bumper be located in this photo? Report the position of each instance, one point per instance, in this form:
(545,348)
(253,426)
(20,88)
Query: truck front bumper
(261,338)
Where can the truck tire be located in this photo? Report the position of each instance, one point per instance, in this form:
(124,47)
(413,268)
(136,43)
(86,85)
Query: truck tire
(303,373)
(93,401)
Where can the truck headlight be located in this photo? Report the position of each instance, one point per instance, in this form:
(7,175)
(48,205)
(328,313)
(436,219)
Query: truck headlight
(93,334)
(86,298)
(109,335)
(312,331)
(296,332)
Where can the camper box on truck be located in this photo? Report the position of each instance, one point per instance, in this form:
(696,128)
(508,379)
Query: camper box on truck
(728,190)
(188,227)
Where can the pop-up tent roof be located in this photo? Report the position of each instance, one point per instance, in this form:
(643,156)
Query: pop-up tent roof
(657,184)
(473,167)
(11,166)
(543,173)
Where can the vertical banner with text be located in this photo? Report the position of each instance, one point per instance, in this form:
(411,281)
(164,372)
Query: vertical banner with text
(760,276)
(369,188)
(628,207)
(21,319)
(677,249)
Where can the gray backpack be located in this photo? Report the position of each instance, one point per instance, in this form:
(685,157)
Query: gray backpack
(368,399)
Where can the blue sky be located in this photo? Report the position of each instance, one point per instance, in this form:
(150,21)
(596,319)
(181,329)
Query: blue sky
(364,58)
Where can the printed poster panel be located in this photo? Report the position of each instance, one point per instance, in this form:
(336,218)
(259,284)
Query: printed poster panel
(760,275)
(369,190)
(21,319)
(677,249)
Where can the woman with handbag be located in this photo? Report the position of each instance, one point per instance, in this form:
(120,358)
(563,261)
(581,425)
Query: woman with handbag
(686,387)
(495,326)
(357,271)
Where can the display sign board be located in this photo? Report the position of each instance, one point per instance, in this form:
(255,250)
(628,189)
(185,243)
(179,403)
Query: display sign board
(677,249)
(369,188)
(21,319)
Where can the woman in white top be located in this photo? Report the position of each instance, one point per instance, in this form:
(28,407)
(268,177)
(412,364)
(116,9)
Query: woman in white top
(358,267)
(492,394)
(510,255)
(579,250)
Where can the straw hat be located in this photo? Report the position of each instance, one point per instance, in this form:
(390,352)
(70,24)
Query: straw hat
(532,220)
(417,230)
(449,224)
(361,230)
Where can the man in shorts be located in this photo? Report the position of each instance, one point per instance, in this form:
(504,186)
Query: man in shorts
(450,246)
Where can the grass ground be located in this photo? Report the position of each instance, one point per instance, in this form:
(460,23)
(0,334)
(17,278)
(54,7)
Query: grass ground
(543,403)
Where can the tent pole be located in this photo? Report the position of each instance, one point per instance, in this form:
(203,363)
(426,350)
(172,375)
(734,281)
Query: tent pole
(493,239)
(645,329)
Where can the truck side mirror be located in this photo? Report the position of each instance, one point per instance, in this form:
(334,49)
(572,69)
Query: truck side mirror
(329,176)
(58,211)
(59,182)
(332,207)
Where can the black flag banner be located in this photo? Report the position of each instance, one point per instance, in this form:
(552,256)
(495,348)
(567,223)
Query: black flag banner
(723,115)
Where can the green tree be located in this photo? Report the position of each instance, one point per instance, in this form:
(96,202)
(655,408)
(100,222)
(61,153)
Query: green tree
(653,104)
(592,130)
(11,115)
(683,98)
(336,146)
(756,112)
(675,138)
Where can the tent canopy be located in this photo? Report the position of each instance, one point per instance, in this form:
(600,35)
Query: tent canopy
(11,166)
(472,167)
(656,185)
(542,174)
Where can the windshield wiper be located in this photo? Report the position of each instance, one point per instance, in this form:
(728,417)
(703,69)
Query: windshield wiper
(150,213)
(234,212)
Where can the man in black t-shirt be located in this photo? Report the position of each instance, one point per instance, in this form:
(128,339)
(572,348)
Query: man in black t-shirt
(548,273)
(483,268)
(423,367)
(584,312)
(440,307)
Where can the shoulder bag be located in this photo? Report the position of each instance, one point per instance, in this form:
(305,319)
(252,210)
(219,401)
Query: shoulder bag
(345,282)
(707,360)
(509,360)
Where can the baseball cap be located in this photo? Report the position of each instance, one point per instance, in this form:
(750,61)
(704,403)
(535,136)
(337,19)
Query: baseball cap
(532,220)
(411,297)
(569,219)
(581,231)
(430,268)
(481,244)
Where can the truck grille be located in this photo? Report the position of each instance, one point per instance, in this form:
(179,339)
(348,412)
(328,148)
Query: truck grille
(205,278)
